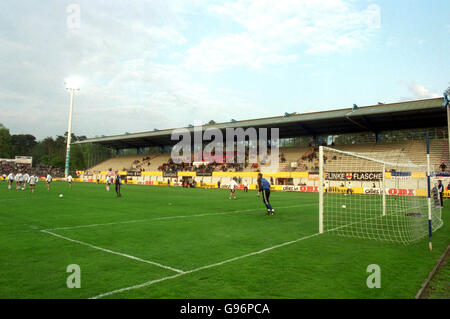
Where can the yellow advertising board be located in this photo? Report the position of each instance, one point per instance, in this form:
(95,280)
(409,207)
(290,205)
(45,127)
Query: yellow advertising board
(419,175)
(343,190)
(276,187)
(207,185)
(152,173)
(299,174)
(278,175)
(186,174)
(235,174)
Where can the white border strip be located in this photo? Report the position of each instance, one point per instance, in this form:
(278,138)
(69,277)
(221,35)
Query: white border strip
(113,252)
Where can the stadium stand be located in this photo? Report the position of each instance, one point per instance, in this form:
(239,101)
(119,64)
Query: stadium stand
(379,130)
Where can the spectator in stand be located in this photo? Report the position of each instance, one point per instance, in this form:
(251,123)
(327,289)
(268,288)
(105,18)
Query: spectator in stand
(443,167)
(441,192)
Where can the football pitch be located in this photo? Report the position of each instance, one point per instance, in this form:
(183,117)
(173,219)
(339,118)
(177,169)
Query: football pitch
(168,242)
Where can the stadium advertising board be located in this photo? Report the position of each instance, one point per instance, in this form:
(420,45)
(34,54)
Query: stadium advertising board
(401,175)
(24,159)
(396,191)
(353,176)
(170,174)
(401,191)
(292,188)
(443,174)
(373,191)
(204,173)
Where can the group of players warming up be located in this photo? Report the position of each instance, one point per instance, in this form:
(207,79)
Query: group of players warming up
(21,180)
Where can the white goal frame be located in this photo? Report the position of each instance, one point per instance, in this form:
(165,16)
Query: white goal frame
(383,189)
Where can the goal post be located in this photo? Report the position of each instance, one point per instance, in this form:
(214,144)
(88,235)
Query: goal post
(377,195)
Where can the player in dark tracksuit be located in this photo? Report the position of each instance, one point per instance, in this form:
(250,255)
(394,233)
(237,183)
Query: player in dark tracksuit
(118,183)
(264,188)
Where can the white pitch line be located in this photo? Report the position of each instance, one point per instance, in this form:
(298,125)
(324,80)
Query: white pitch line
(113,252)
(169,217)
(17,198)
(149,283)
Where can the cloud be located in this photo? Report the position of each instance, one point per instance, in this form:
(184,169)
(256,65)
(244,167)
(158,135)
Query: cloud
(117,51)
(277,32)
(417,91)
(139,60)
(233,50)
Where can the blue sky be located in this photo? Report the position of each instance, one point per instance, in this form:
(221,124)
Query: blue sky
(165,64)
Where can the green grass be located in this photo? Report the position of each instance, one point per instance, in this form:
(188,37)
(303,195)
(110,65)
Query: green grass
(146,223)
(439,286)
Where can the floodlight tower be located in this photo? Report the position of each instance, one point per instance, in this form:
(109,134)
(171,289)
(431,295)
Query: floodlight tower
(72,85)
(447,106)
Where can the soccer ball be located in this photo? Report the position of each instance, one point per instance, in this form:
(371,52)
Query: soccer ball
(60,195)
(343,206)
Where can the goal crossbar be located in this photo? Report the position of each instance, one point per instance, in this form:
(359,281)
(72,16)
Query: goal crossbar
(373,159)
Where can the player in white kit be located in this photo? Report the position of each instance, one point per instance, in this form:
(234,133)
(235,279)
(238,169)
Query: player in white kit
(349,188)
(233,187)
(26,177)
(19,180)
(48,180)
(33,181)
(10,180)
(108,182)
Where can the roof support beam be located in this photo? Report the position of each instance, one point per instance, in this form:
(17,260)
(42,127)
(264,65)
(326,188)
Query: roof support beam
(369,124)
(306,128)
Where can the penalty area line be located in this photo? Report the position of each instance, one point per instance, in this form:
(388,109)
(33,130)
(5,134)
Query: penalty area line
(149,283)
(114,252)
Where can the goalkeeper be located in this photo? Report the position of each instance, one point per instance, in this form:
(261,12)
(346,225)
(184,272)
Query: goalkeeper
(264,187)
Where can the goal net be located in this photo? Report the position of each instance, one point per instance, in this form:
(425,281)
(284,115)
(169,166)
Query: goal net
(378,196)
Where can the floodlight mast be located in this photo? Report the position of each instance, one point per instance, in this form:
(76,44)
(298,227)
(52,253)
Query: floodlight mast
(71,86)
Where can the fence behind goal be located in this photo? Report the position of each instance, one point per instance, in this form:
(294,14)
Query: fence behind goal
(378,196)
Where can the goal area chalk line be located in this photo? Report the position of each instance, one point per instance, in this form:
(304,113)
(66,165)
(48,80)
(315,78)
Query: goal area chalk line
(178,271)
(151,282)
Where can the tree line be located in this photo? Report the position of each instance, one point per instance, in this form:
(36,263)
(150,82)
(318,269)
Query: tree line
(49,151)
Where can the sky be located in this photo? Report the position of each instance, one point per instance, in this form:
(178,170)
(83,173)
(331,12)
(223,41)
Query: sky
(170,63)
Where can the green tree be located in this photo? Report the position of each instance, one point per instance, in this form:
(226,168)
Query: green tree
(22,144)
(5,142)
(77,160)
